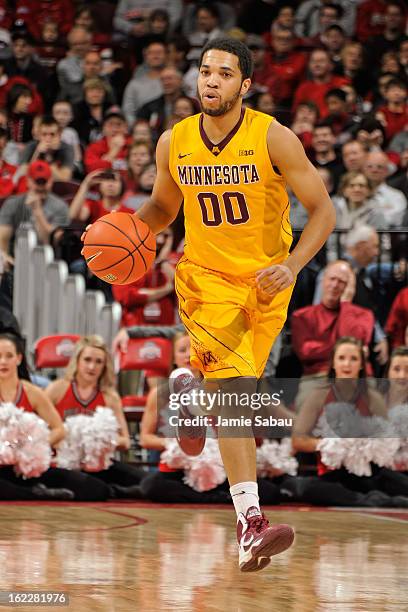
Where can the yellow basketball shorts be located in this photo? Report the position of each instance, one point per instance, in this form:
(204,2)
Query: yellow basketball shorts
(232,331)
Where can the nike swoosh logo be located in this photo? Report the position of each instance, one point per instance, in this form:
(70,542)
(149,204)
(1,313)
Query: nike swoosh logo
(180,156)
(92,257)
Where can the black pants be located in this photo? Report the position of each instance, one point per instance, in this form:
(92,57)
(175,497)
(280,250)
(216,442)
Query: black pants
(383,479)
(168,487)
(318,492)
(84,486)
(119,473)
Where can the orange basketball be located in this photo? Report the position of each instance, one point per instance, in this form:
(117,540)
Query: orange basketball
(119,248)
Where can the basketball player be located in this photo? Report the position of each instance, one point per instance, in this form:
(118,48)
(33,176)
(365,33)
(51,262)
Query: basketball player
(230,165)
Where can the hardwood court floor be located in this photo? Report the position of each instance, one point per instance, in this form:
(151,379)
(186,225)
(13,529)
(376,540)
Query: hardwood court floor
(129,557)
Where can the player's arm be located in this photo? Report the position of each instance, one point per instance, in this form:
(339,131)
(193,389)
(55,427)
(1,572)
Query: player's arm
(287,153)
(162,207)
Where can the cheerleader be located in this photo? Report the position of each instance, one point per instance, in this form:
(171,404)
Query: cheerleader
(347,383)
(88,383)
(55,483)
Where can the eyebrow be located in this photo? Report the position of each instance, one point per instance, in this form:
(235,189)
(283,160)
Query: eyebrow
(221,67)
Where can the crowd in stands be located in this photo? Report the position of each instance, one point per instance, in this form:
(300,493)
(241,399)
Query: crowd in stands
(87,89)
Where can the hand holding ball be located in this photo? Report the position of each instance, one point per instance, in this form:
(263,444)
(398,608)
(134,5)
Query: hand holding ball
(119,248)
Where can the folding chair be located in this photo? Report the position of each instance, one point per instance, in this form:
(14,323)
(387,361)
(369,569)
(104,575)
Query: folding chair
(151,356)
(53,352)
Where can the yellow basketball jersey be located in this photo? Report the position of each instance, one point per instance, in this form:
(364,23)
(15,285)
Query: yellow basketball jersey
(235,203)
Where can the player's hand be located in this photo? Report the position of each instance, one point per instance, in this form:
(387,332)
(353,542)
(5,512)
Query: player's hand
(274,279)
(88,227)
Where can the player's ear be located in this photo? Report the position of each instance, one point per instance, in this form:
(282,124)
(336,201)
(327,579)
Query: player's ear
(246,84)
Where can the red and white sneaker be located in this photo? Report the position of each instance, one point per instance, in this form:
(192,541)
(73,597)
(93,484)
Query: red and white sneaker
(258,541)
(191,438)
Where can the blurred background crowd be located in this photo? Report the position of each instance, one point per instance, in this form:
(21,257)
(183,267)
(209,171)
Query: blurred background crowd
(87,89)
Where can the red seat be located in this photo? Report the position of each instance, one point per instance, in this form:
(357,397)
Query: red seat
(153,356)
(54,351)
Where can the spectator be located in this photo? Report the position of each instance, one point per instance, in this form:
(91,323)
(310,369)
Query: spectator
(316,328)
(372,277)
(23,62)
(20,119)
(131,16)
(370,19)
(141,132)
(323,152)
(391,202)
(338,116)
(89,113)
(265,103)
(391,37)
(397,321)
(321,80)
(260,59)
(334,42)
(403,56)
(394,115)
(37,12)
(37,206)
(70,69)
(307,17)
(151,299)
(304,121)
(7,171)
(370,133)
(145,85)
(389,63)
(90,207)
(206,27)
(109,152)
(158,24)
(159,110)
(177,50)
(139,155)
(134,197)
(91,69)
(353,204)
(50,148)
(63,115)
(329,14)
(226,17)
(352,67)
(286,66)
(353,155)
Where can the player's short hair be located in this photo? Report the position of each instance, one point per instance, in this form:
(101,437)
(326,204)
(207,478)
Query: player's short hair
(236,47)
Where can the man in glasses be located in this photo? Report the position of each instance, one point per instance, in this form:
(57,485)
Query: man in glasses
(38,207)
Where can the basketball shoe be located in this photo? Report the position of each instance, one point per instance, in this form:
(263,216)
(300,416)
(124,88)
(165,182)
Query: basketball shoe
(191,438)
(258,541)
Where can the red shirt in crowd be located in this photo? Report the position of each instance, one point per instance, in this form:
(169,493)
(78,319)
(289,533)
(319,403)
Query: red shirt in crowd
(96,150)
(136,310)
(316,328)
(397,321)
(37,12)
(97,209)
(395,122)
(6,179)
(370,19)
(285,74)
(315,92)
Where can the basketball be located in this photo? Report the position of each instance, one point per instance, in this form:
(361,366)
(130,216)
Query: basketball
(119,248)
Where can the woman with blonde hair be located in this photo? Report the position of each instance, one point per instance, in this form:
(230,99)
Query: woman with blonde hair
(89,382)
(354,204)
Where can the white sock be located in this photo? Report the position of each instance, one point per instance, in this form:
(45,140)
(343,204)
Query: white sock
(245,495)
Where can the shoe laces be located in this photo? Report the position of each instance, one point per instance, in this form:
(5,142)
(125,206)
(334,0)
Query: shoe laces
(258,523)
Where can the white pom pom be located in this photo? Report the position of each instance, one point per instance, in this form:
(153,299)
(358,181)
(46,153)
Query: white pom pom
(90,442)
(24,441)
(273,459)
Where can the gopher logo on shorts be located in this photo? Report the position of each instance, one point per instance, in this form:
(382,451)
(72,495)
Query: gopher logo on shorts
(208,358)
